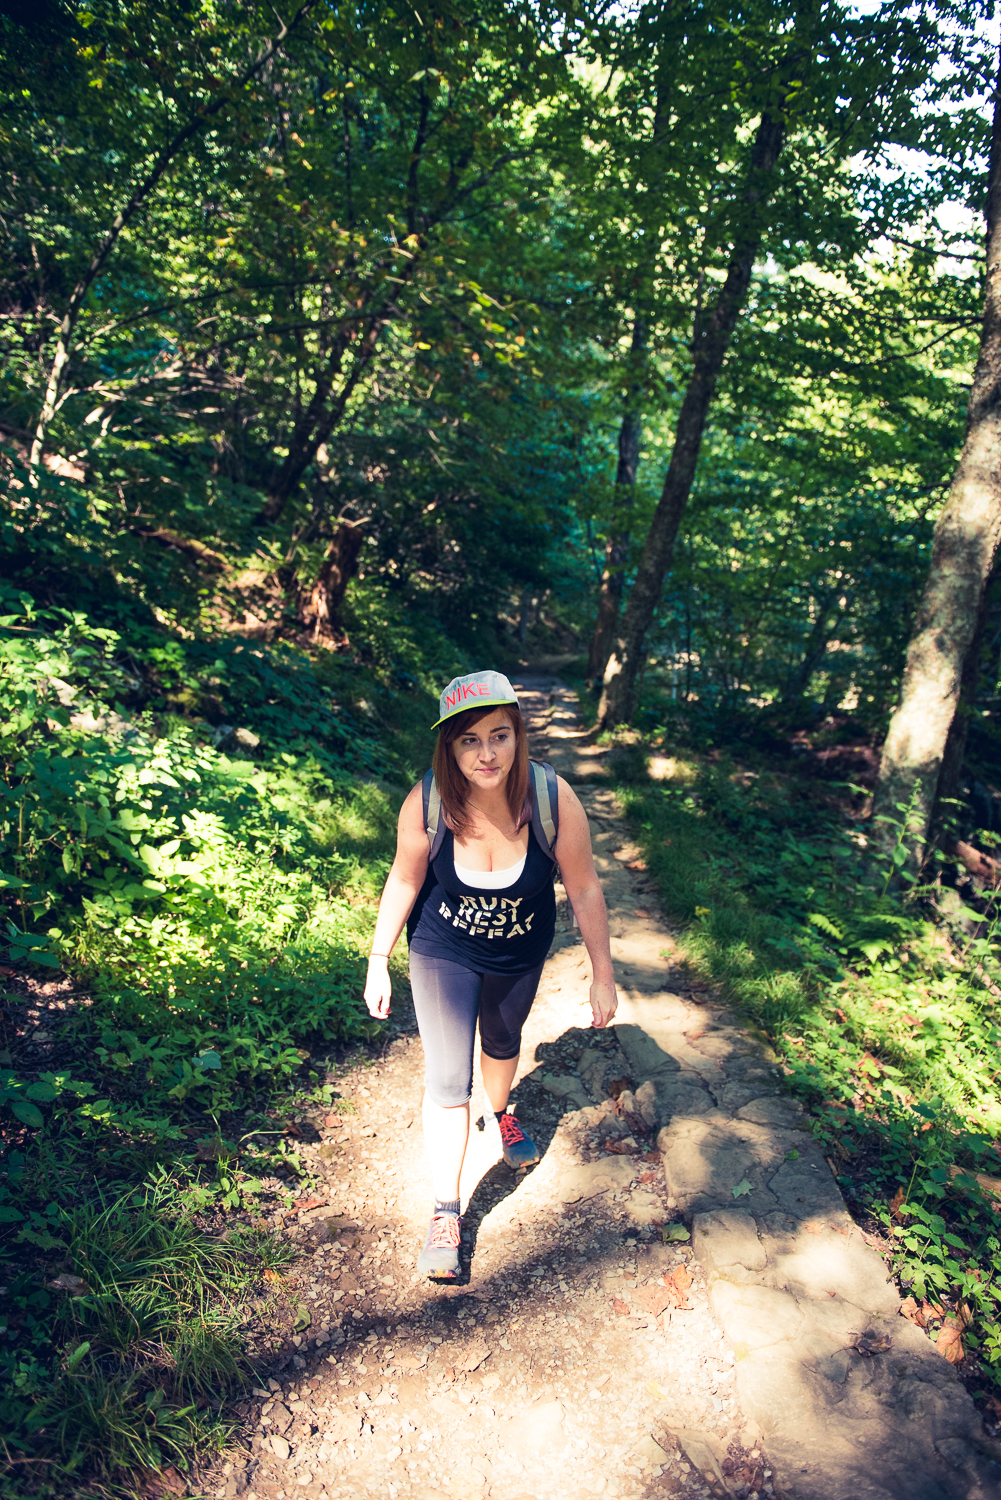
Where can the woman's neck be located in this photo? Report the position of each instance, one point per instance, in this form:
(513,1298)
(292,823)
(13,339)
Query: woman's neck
(491,805)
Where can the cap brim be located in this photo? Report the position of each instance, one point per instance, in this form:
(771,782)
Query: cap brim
(480,703)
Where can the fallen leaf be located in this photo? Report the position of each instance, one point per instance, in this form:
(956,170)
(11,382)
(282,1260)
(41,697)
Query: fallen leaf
(75,1285)
(950,1341)
(270,1275)
(870,1343)
(654,1298)
(896,1201)
(636,864)
(675,1234)
(618,1086)
(619,1307)
(909,1309)
(677,1285)
(310,1203)
(658,1391)
(742,1189)
(814,1228)
(641,911)
(628,1147)
(303,1318)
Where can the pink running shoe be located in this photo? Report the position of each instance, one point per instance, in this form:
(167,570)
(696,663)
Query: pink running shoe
(440,1256)
(519,1150)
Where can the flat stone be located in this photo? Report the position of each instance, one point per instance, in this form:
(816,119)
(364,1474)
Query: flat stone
(649,1452)
(588,1179)
(805,1190)
(564,1086)
(828,1267)
(778,1109)
(681,1094)
(644,1209)
(703,1450)
(728,1238)
(705,1159)
(643,1054)
(279,1446)
(755,1316)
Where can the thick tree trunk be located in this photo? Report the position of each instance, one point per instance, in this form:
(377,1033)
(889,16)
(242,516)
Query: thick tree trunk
(322,613)
(966,536)
(711,341)
(982,653)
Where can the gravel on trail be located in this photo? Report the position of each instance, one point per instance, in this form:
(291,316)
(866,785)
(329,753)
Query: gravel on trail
(626,1324)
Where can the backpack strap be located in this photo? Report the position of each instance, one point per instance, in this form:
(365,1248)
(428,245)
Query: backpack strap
(545,809)
(434,823)
(545,806)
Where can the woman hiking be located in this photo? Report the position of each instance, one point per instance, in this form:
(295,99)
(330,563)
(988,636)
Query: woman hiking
(476,853)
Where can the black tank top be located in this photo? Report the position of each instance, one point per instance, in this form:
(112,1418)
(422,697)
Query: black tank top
(497,932)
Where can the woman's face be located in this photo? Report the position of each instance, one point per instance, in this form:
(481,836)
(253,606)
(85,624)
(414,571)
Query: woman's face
(485,752)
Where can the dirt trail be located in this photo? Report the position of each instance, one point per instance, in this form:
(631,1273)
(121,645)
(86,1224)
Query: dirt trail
(587,1351)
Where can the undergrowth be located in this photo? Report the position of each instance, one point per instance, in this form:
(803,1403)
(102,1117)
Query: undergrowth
(186,905)
(883,1004)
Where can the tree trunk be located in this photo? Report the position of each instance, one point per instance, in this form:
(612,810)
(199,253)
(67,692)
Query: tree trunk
(617,546)
(322,613)
(966,536)
(710,343)
(950,777)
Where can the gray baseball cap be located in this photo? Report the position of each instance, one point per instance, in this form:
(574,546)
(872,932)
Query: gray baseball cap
(478,690)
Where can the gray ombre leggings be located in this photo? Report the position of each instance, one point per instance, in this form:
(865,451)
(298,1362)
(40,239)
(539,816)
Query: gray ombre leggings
(447,998)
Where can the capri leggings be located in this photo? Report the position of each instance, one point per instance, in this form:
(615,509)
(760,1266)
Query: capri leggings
(447,997)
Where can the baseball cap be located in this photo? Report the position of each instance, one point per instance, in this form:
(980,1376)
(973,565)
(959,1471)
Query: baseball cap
(478,690)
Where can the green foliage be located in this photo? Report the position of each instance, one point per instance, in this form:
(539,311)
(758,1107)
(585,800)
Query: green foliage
(886,1027)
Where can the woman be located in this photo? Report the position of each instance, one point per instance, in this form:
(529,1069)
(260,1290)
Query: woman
(482,918)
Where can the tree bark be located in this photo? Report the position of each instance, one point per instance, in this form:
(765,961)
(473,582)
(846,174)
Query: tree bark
(965,540)
(617,546)
(322,613)
(950,777)
(710,344)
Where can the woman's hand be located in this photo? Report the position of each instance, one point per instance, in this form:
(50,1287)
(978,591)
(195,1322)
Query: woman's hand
(604,1002)
(378,988)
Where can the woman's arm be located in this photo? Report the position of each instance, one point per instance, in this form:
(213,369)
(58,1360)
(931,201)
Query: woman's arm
(401,890)
(580,881)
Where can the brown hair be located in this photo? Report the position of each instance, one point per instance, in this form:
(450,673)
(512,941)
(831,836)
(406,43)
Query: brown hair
(453,786)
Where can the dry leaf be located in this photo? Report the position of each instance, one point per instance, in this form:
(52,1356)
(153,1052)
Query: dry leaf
(950,1341)
(910,1310)
(653,1298)
(310,1202)
(636,864)
(870,1343)
(641,911)
(677,1285)
(270,1275)
(896,1201)
(619,1307)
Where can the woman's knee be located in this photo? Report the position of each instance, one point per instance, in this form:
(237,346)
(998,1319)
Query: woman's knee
(446,1094)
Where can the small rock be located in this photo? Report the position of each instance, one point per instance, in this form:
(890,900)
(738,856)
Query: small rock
(279,1446)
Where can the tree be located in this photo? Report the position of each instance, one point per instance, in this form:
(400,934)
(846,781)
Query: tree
(966,538)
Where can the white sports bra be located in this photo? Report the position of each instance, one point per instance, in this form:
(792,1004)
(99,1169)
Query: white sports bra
(490,880)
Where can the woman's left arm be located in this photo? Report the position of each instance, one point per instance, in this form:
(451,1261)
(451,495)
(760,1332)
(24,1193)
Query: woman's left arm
(580,881)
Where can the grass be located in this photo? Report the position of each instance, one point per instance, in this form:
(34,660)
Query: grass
(884,1012)
(187,920)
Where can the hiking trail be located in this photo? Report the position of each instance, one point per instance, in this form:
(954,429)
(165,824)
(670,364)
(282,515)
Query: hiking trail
(592,1347)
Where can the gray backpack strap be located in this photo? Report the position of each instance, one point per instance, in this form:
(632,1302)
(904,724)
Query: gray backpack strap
(545,805)
(434,823)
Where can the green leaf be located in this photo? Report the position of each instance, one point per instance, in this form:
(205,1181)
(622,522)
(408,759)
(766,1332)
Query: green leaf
(675,1233)
(28,1113)
(79,1353)
(742,1189)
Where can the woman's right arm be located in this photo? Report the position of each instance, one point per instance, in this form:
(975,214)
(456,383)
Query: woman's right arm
(399,894)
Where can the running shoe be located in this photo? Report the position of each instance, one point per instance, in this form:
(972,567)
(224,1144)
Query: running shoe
(518,1149)
(440,1256)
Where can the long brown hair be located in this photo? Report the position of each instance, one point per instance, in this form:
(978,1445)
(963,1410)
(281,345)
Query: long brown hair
(453,786)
